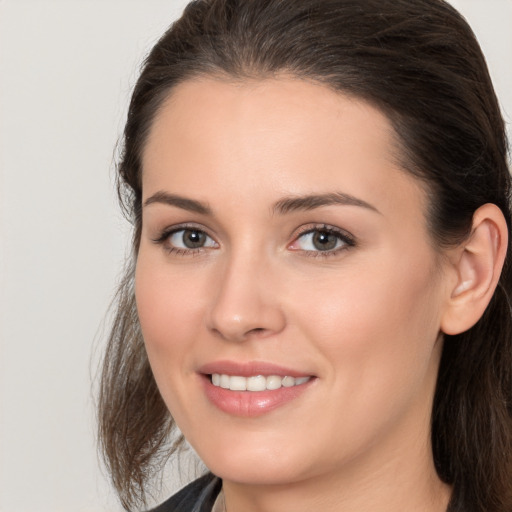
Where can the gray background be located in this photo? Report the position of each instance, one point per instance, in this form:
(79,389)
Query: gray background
(66,70)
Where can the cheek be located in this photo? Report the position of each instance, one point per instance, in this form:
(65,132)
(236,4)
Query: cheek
(170,315)
(375,323)
(377,331)
(168,305)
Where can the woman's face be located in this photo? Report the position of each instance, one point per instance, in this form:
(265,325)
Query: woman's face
(280,239)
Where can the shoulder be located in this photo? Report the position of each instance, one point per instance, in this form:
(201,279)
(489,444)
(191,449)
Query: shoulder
(198,496)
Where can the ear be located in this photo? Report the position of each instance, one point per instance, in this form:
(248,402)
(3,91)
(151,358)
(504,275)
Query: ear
(477,265)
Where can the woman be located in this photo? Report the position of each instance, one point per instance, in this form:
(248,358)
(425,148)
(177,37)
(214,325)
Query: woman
(319,292)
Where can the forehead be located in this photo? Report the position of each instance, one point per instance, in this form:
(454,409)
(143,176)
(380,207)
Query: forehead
(273,137)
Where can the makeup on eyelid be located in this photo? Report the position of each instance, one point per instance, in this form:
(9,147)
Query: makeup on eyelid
(317,239)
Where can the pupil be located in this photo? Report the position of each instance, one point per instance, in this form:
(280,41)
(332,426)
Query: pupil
(194,239)
(324,241)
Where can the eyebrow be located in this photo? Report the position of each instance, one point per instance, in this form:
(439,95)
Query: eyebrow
(282,207)
(311,202)
(180,202)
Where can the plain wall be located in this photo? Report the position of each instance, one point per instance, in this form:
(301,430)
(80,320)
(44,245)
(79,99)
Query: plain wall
(66,71)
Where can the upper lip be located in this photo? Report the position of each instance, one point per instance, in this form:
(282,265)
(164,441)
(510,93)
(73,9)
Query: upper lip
(249,369)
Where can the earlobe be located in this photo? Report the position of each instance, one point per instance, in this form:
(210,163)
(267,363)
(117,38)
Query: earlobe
(477,267)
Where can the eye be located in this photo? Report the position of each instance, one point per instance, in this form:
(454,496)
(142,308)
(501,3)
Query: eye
(185,240)
(324,239)
(190,239)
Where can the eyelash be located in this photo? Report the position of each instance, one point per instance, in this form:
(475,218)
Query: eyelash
(346,238)
(179,251)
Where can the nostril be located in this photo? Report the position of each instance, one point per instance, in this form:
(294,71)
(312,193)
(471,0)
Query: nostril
(256,330)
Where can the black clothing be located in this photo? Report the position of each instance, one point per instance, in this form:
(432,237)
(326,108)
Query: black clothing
(198,496)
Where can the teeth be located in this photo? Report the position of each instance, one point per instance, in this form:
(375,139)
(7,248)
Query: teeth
(288,382)
(256,383)
(224,381)
(274,382)
(237,383)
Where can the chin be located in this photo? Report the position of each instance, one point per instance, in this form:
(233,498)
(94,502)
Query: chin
(257,463)
(255,474)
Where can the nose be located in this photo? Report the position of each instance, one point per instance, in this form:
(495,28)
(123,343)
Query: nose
(246,304)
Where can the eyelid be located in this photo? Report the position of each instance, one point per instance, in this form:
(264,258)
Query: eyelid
(168,231)
(308,228)
(347,238)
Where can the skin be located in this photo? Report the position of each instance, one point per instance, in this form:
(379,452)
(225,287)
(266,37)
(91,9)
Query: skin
(364,320)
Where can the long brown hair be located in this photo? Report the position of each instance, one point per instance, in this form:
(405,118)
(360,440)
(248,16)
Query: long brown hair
(419,62)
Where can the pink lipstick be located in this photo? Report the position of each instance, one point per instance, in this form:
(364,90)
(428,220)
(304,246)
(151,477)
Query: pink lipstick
(252,389)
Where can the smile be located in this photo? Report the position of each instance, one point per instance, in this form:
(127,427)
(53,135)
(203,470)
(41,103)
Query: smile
(256,382)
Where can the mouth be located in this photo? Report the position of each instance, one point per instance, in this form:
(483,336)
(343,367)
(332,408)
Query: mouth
(256,382)
(253,389)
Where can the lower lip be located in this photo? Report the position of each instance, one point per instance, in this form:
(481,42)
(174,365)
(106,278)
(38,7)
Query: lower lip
(251,403)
